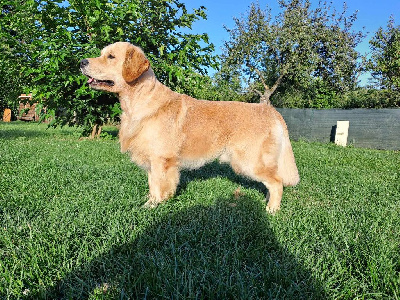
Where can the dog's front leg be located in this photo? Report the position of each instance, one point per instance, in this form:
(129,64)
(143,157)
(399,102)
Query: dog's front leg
(163,180)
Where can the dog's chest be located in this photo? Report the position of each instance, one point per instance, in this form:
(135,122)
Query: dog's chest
(145,140)
(136,145)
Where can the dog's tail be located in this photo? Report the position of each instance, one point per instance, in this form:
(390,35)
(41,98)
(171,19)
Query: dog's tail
(287,168)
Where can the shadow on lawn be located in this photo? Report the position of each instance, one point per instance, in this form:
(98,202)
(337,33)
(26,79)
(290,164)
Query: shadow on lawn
(13,134)
(216,169)
(22,130)
(226,251)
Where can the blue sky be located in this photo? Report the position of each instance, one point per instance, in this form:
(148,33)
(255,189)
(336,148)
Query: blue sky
(372,14)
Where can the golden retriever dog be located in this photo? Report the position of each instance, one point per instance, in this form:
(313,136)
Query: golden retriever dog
(165,132)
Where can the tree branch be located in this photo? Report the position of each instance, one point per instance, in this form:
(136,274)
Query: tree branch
(261,78)
(251,89)
(284,71)
(277,83)
(256,91)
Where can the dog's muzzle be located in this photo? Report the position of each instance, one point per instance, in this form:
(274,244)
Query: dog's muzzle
(93,82)
(84,63)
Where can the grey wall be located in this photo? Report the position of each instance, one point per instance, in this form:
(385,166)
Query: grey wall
(369,128)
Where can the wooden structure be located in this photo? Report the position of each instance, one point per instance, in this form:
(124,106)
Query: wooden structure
(369,128)
(27,109)
(7,115)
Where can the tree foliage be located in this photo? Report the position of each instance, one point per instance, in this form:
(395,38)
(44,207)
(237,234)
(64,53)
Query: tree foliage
(384,63)
(50,37)
(299,47)
(13,54)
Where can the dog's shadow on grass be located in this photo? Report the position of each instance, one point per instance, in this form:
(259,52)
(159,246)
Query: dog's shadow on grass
(216,169)
(222,251)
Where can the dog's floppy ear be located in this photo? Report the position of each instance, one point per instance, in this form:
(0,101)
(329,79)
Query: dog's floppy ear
(135,64)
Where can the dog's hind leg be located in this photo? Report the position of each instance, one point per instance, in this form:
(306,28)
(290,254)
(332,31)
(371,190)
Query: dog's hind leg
(163,180)
(270,178)
(275,190)
(268,175)
(262,166)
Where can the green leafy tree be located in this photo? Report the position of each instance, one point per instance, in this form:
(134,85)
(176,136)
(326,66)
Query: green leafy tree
(61,33)
(300,47)
(15,53)
(384,63)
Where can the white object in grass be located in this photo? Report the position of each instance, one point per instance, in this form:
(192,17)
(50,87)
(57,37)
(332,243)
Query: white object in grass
(342,132)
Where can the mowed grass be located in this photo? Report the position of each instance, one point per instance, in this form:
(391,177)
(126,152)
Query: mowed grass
(72,226)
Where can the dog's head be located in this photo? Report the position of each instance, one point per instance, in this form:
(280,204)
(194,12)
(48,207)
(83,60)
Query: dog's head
(119,65)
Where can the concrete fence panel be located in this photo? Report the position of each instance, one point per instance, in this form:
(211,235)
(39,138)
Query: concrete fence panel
(369,128)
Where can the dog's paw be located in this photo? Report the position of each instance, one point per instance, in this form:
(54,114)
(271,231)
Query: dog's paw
(272,210)
(150,204)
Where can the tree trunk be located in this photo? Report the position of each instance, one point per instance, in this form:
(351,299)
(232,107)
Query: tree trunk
(264,97)
(99,131)
(96,131)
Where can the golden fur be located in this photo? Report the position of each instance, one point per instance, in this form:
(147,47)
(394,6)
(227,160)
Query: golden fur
(165,132)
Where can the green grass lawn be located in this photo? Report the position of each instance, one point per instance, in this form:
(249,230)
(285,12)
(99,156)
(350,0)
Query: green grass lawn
(72,226)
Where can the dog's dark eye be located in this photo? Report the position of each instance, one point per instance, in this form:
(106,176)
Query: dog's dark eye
(110,56)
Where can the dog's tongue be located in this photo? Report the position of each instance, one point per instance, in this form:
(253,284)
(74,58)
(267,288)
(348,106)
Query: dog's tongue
(90,80)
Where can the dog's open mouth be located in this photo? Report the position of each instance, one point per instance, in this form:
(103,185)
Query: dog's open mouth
(96,82)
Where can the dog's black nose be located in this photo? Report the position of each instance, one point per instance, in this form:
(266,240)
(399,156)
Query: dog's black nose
(84,63)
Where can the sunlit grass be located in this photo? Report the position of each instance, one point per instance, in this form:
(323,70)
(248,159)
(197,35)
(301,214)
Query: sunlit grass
(72,226)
